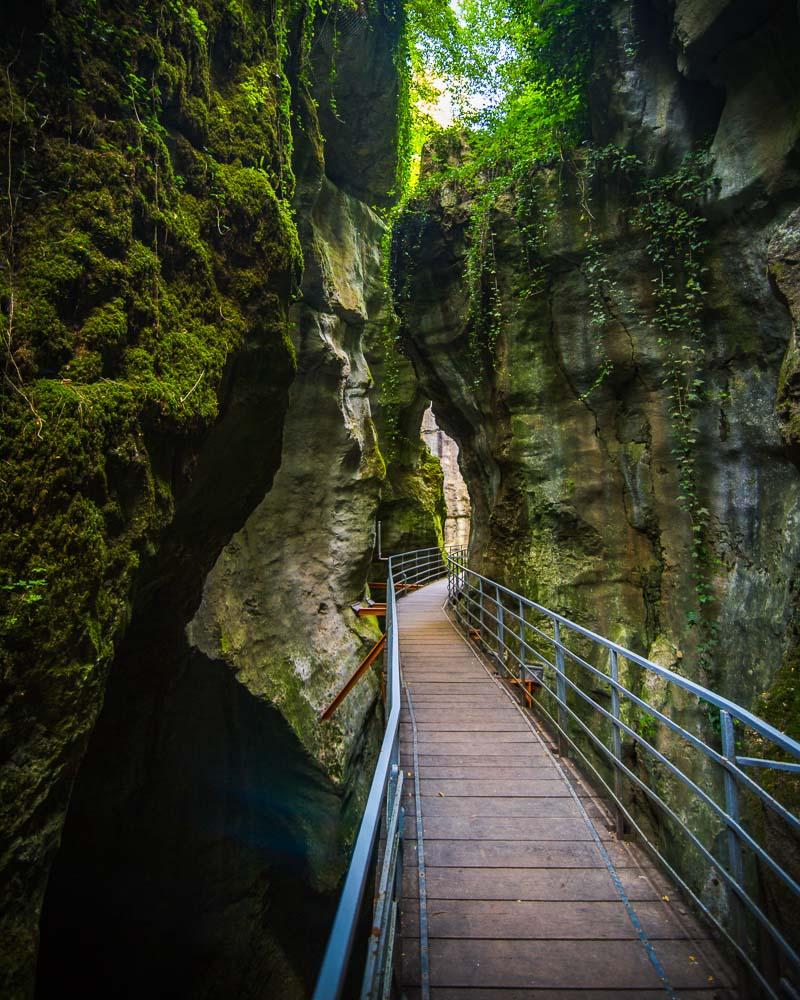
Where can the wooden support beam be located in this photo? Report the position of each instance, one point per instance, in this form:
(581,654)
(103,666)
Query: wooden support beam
(370,610)
(529,688)
(366,663)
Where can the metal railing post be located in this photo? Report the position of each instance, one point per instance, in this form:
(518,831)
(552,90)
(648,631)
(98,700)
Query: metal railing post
(617,736)
(735,861)
(474,595)
(501,628)
(561,691)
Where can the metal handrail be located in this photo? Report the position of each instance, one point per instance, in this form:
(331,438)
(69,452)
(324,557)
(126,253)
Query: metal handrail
(506,625)
(383,814)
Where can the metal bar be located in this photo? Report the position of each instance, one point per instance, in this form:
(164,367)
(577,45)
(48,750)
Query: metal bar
(561,691)
(501,632)
(735,860)
(380,921)
(774,765)
(704,852)
(617,736)
(730,822)
(340,943)
(363,667)
(424,956)
(737,711)
(405,572)
(702,908)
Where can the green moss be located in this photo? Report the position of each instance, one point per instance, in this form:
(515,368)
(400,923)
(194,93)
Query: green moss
(413,508)
(148,234)
(780,706)
(788,396)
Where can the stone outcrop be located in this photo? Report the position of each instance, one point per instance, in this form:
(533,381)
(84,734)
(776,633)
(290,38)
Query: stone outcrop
(456,496)
(232,518)
(568,440)
(572,478)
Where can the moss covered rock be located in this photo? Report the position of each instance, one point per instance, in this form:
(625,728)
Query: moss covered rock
(147,236)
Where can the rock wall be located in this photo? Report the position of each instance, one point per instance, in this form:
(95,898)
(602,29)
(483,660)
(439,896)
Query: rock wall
(191,485)
(569,442)
(456,496)
(412,511)
(572,478)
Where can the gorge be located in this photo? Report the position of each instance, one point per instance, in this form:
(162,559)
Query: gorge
(228,306)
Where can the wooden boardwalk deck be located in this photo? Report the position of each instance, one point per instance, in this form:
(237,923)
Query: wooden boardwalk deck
(521,902)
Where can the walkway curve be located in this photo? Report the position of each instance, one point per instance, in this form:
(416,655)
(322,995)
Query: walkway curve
(529,892)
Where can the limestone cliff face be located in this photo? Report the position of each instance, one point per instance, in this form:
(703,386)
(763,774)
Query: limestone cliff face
(574,486)
(568,440)
(456,496)
(201,533)
(276,606)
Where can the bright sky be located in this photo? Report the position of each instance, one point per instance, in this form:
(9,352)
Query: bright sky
(441,110)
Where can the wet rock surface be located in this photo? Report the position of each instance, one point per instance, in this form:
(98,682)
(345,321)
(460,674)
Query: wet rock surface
(211,818)
(567,432)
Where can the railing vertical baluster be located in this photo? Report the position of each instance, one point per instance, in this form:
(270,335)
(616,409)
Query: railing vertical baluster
(561,691)
(501,629)
(617,735)
(735,862)
(472,596)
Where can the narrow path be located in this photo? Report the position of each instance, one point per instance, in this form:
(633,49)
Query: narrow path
(519,857)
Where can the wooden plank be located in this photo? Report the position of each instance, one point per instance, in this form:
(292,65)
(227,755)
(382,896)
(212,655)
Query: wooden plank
(528,920)
(543,964)
(496,787)
(713,992)
(511,725)
(480,758)
(481,747)
(489,806)
(562,884)
(458,714)
(486,741)
(509,828)
(435,685)
(536,768)
(517,854)
(465,686)
(444,670)
(477,739)
(430,700)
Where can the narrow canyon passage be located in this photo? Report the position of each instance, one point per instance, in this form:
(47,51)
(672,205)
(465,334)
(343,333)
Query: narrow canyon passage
(290,288)
(188,822)
(519,862)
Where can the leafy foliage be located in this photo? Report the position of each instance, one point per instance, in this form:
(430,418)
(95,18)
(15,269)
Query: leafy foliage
(145,233)
(517,74)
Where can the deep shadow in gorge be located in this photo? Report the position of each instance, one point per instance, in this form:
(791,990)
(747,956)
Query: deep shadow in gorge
(185,867)
(219,440)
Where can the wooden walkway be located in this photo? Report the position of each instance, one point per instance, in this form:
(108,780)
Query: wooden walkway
(521,902)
